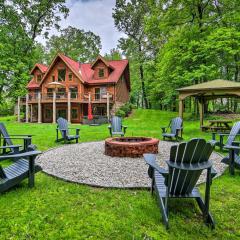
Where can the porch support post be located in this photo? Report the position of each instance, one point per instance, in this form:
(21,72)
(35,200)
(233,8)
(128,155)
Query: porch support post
(27,108)
(18,109)
(54,106)
(31,112)
(201,110)
(39,108)
(108,107)
(69,107)
(180,109)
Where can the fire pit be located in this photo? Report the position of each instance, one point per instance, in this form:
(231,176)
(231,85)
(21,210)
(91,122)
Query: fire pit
(130,146)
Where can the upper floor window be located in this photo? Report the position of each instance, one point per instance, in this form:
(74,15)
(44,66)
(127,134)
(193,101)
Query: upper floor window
(53,78)
(70,77)
(101,72)
(61,75)
(39,78)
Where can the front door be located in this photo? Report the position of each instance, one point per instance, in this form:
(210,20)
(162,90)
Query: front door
(62,113)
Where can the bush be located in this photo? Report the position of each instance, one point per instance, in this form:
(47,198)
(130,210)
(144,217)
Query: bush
(124,110)
(6,109)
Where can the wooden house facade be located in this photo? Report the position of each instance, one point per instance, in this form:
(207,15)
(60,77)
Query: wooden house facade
(65,88)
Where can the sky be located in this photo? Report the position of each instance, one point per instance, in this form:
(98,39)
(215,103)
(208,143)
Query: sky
(93,15)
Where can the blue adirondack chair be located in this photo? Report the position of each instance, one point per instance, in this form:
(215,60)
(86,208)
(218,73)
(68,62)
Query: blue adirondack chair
(116,127)
(186,163)
(175,127)
(233,158)
(23,167)
(7,140)
(64,130)
(231,136)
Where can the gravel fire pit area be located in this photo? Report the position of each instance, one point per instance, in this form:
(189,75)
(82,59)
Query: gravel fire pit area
(86,163)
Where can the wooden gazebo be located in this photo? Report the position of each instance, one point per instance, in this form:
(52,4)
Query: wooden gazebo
(208,91)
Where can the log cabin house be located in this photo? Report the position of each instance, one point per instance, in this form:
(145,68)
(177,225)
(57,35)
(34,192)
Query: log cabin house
(65,89)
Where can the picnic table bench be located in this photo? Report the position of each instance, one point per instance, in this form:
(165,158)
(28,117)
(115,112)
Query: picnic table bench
(217,125)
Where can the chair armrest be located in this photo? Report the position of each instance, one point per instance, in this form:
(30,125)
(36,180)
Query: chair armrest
(190,167)
(164,129)
(21,135)
(125,127)
(150,160)
(17,138)
(20,155)
(10,146)
(109,127)
(231,147)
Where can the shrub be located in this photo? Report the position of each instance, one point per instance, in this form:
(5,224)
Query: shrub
(120,113)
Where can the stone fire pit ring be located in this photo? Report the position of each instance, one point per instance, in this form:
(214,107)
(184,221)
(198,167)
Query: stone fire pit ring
(130,146)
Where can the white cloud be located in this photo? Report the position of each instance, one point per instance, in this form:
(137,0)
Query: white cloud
(93,15)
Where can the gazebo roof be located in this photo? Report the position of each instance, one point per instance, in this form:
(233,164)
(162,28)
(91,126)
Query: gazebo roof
(217,84)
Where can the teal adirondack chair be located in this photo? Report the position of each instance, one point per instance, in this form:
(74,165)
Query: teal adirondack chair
(186,163)
(7,140)
(64,130)
(116,127)
(23,167)
(175,127)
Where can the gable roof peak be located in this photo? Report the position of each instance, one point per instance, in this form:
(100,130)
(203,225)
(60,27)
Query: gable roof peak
(101,58)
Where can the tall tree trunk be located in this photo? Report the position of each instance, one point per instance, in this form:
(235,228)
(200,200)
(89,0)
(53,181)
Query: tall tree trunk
(144,96)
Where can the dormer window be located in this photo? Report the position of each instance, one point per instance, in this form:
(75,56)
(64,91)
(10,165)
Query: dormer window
(70,77)
(39,78)
(101,72)
(61,75)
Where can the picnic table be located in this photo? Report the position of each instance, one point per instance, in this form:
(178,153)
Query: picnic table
(218,125)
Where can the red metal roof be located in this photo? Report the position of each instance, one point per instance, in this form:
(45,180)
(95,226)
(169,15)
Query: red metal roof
(85,72)
(43,68)
(32,84)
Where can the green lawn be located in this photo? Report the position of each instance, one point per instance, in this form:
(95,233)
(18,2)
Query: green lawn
(55,209)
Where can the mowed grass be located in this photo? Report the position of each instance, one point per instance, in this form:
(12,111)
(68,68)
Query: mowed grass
(55,209)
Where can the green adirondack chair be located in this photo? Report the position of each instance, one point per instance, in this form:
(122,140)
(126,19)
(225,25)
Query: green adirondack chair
(116,127)
(175,127)
(64,130)
(186,163)
(23,167)
(7,140)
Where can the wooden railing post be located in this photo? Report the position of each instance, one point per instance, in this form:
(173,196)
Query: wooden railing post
(27,108)
(69,107)
(39,108)
(18,109)
(54,106)
(108,107)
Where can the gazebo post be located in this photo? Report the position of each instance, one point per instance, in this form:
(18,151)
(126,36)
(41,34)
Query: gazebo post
(201,111)
(180,109)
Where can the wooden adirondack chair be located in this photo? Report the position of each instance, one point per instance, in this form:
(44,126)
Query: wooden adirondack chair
(233,158)
(231,136)
(7,140)
(64,130)
(116,127)
(175,127)
(22,168)
(186,163)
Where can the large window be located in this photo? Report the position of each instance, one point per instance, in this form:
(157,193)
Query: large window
(74,113)
(70,77)
(101,72)
(97,94)
(39,78)
(61,75)
(74,92)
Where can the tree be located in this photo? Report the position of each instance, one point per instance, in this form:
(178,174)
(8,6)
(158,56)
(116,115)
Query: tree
(21,22)
(76,43)
(129,19)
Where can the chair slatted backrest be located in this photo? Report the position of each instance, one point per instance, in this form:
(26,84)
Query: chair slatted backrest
(5,134)
(63,125)
(195,151)
(176,123)
(233,133)
(116,123)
